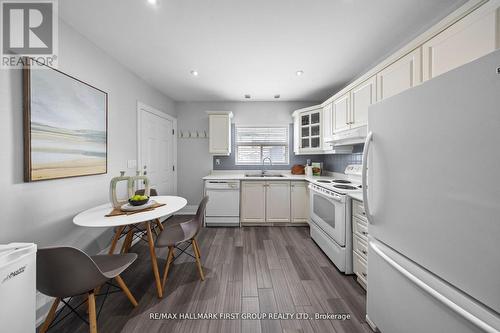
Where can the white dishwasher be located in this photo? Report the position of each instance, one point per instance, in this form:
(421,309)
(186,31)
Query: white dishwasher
(223,208)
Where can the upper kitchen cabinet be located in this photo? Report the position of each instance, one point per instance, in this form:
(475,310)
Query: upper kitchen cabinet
(472,37)
(219,127)
(362,96)
(403,74)
(327,126)
(341,113)
(308,130)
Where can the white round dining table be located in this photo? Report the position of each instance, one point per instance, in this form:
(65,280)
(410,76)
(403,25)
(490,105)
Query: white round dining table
(96,218)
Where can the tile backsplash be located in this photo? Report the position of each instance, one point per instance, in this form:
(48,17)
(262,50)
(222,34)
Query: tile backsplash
(338,162)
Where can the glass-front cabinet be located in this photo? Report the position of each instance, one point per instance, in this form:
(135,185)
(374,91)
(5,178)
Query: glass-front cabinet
(307,130)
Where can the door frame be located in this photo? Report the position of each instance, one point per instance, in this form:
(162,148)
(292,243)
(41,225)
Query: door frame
(143,107)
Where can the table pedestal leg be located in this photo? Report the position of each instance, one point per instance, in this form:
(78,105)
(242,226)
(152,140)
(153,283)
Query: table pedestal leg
(154,263)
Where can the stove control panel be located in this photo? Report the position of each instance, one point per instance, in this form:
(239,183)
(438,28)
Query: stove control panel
(353,169)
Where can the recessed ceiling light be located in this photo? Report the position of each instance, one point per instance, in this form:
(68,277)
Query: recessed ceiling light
(194,73)
(153,2)
(299,73)
(247,96)
(277,96)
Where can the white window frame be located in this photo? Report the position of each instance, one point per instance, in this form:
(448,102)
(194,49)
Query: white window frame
(262,145)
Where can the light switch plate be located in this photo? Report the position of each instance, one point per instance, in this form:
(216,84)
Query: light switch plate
(132,164)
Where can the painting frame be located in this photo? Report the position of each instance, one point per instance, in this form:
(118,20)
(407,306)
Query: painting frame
(27,120)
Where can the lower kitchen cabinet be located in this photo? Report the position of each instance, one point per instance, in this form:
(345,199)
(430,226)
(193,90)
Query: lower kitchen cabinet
(299,200)
(253,202)
(278,201)
(359,242)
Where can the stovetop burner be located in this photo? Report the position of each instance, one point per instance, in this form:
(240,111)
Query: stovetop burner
(324,181)
(341,181)
(346,187)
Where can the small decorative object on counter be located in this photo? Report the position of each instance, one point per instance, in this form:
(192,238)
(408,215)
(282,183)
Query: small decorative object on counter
(308,171)
(298,169)
(113,198)
(316,169)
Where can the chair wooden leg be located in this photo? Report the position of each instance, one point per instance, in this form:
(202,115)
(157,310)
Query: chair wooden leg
(154,262)
(125,289)
(170,257)
(50,315)
(197,248)
(92,313)
(158,223)
(115,239)
(128,241)
(197,257)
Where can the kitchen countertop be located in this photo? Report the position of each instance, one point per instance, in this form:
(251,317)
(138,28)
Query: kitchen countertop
(241,176)
(357,196)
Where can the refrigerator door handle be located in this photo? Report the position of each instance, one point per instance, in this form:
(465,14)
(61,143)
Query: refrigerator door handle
(434,293)
(364,171)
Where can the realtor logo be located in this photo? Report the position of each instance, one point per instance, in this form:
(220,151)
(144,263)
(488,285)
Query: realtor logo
(29,28)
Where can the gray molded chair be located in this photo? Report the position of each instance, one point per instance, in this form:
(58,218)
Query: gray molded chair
(63,272)
(133,231)
(185,232)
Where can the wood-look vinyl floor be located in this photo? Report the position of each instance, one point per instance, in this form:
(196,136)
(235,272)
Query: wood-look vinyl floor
(247,270)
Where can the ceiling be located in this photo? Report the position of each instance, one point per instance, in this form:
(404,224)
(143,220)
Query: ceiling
(251,47)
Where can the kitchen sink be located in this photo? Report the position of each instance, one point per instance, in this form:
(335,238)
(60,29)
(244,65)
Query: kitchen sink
(262,175)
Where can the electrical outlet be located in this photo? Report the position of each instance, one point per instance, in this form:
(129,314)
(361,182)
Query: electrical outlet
(217,161)
(498,70)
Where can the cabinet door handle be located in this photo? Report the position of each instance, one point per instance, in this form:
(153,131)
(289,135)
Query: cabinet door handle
(364,274)
(364,251)
(364,233)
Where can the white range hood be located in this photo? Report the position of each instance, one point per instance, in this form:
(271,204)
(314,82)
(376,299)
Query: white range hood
(348,137)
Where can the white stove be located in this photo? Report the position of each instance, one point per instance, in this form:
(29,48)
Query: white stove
(330,215)
(351,183)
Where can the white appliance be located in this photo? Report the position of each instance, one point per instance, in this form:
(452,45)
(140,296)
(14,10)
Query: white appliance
(223,208)
(18,287)
(432,199)
(330,214)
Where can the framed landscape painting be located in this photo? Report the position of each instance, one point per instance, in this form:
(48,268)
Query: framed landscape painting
(65,126)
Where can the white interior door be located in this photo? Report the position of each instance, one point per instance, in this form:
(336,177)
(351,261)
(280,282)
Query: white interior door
(157,149)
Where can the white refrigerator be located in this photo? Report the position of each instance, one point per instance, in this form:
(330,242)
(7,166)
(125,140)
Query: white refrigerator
(432,195)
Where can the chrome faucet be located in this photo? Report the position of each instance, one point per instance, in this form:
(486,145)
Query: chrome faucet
(270,163)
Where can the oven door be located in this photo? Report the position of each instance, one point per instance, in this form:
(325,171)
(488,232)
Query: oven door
(328,211)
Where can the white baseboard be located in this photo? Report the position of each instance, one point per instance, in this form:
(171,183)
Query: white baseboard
(188,210)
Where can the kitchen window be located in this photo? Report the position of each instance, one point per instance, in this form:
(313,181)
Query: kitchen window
(253,144)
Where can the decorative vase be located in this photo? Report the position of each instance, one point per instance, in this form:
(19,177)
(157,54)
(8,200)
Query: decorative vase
(113,198)
(138,178)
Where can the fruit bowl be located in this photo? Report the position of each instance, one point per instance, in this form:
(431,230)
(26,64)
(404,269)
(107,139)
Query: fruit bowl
(138,200)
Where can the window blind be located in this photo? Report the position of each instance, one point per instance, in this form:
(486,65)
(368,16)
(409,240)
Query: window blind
(253,144)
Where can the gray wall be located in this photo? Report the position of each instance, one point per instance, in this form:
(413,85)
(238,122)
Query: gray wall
(42,212)
(193,159)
